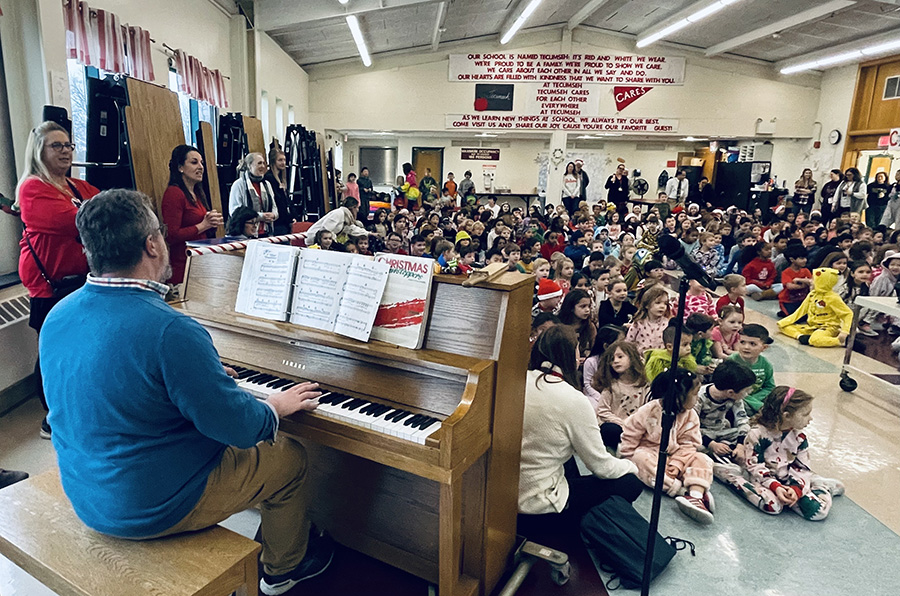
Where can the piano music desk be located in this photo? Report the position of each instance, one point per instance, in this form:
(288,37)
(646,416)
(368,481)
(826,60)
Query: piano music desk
(446,510)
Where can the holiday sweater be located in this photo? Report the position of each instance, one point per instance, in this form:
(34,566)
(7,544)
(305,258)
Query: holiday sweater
(709,260)
(760,272)
(765,382)
(726,301)
(721,421)
(702,304)
(776,458)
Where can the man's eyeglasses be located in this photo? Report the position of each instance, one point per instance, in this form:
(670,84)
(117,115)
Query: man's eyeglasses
(58,147)
(164,230)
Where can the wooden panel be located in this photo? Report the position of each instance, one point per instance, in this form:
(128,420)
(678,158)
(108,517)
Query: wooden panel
(207,145)
(154,126)
(323,156)
(885,114)
(40,533)
(256,141)
(870,115)
(464,320)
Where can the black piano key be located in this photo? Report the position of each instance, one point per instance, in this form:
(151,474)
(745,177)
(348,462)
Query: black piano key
(382,409)
(370,409)
(280,383)
(246,373)
(327,399)
(400,415)
(354,403)
(361,403)
(339,398)
(413,420)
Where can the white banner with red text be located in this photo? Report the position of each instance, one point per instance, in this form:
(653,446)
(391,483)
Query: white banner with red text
(485,121)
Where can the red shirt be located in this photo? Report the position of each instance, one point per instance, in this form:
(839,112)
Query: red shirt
(760,273)
(725,301)
(548,249)
(182,219)
(49,217)
(793,296)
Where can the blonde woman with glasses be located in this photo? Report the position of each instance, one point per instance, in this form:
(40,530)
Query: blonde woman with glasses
(52,262)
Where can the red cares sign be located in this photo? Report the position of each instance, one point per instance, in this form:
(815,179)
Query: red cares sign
(625,96)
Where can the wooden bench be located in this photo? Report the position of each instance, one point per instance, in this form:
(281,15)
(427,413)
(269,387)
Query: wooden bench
(40,533)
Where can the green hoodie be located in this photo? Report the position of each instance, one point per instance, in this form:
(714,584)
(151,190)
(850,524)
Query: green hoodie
(659,360)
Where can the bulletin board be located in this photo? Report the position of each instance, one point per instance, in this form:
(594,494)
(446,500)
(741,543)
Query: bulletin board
(154,126)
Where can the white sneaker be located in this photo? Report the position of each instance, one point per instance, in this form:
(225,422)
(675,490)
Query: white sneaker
(834,486)
(724,471)
(695,509)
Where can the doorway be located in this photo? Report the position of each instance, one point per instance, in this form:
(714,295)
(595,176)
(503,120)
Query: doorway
(429,158)
(872,162)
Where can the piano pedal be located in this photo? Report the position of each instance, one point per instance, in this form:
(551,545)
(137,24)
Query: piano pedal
(526,556)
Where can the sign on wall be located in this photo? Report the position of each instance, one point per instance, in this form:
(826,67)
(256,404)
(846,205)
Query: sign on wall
(625,96)
(562,99)
(480,154)
(560,122)
(894,141)
(494,98)
(606,69)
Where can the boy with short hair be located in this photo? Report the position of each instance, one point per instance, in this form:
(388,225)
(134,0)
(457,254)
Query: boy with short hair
(753,342)
(549,296)
(578,247)
(700,326)
(447,260)
(599,285)
(735,290)
(530,249)
(660,359)
(796,279)
(723,420)
(512,252)
(593,263)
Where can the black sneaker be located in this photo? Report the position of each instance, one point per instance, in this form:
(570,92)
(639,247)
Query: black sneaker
(45,429)
(8,477)
(318,557)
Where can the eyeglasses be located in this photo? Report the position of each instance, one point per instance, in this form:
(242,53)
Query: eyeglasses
(58,147)
(163,230)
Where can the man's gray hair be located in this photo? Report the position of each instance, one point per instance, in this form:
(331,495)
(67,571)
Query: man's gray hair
(350,202)
(114,226)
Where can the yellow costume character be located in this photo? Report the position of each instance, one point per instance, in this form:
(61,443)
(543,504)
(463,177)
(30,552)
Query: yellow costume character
(828,319)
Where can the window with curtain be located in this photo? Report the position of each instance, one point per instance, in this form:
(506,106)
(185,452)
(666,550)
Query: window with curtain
(192,112)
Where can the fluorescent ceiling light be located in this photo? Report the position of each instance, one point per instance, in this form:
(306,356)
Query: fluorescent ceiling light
(682,23)
(532,6)
(848,56)
(353,23)
(343,1)
(693,139)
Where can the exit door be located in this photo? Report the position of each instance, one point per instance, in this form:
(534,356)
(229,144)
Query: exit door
(429,158)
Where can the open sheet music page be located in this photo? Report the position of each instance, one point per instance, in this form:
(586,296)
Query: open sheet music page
(362,293)
(266,276)
(318,287)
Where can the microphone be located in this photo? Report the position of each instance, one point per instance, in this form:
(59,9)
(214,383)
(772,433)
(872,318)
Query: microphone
(672,248)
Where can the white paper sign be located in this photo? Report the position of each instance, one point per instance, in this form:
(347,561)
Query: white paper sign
(487,121)
(894,139)
(605,69)
(562,99)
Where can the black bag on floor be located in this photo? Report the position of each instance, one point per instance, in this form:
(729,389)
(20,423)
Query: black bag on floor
(617,535)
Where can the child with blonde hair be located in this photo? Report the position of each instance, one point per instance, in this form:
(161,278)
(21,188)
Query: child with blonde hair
(776,460)
(564,272)
(688,472)
(620,388)
(651,319)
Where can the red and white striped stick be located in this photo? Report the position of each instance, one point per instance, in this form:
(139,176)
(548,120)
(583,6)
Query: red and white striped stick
(240,245)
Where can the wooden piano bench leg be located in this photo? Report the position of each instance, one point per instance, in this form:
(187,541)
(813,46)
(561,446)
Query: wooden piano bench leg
(251,577)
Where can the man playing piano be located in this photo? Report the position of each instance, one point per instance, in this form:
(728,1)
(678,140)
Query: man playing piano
(152,436)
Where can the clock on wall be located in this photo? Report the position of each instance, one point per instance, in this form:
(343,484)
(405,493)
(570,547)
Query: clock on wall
(834,137)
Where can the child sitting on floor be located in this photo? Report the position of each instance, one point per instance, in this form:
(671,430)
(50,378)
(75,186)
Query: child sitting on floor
(760,274)
(735,290)
(688,472)
(651,318)
(726,334)
(549,296)
(616,310)
(724,423)
(828,321)
(617,388)
(656,361)
(753,341)
(776,460)
(796,279)
(700,327)
(696,300)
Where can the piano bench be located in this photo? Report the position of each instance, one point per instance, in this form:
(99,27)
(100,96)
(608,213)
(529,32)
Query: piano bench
(40,533)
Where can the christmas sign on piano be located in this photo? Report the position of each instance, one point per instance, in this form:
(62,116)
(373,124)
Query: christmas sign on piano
(403,312)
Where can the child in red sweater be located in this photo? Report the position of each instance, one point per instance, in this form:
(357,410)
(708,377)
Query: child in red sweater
(760,274)
(796,279)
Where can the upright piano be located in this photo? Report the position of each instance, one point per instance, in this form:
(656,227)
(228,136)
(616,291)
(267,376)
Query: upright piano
(435,491)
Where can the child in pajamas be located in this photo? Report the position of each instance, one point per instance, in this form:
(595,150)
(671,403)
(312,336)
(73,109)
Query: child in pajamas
(776,460)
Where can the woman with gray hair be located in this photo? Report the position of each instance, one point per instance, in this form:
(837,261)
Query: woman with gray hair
(253,191)
(51,262)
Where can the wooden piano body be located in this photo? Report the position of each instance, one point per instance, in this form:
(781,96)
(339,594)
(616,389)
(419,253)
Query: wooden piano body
(444,511)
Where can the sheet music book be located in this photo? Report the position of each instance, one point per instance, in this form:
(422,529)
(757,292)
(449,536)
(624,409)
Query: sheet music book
(266,278)
(403,313)
(331,291)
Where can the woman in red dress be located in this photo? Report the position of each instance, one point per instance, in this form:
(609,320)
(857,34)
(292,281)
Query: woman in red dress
(48,201)
(184,209)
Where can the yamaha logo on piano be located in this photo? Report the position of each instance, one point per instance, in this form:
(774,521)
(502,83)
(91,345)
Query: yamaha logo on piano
(292,364)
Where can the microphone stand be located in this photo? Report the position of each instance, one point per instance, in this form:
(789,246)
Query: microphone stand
(668,419)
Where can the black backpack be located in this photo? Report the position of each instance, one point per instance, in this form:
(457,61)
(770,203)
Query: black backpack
(617,535)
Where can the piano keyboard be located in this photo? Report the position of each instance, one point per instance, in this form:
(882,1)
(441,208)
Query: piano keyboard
(395,422)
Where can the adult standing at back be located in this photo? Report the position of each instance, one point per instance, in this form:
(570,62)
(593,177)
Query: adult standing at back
(618,188)
(184,207)
(277,179)
(411,179)
(571,188)
(804,192)
(252,190)
(678,188)
(835,177)
(366,194)
(48,201)
(583,181)
(466,188)
(850,194)
(877,198)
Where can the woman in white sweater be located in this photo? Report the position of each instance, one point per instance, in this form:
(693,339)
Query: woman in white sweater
(560,422)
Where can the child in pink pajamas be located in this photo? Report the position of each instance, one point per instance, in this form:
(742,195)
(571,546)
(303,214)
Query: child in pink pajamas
(688,472)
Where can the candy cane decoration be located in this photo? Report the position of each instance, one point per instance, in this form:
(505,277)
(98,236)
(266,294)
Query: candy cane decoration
(240,245)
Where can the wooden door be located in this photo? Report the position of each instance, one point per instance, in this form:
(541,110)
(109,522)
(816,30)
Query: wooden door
(878,163)
(429,157)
